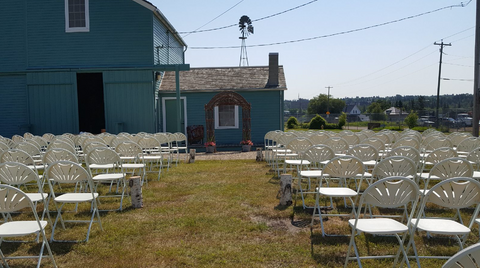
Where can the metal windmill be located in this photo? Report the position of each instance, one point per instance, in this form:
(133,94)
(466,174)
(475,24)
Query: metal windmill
(246,28)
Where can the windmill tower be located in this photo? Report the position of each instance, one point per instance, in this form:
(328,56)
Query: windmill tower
(246,28)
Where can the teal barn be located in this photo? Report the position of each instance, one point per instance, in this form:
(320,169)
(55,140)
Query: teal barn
(84,65)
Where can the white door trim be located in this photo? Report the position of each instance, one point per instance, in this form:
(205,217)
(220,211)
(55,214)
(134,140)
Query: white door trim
(164,112)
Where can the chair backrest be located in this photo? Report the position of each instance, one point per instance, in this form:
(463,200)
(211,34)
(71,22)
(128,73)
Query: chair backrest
(14,173)
(92,145)
(338,144)
(319,153)
(452,167)
(390,192)
(16,155)
(377,143)
(383,137)
(454,193)
(407,141)
(395,166)
(66,172)
(3,147)
(318,138)
(129,148)
(461,136)
(119,139)
(17,138)
(440,154)
(29,148)
(467,257)
(364,152)
(101,156)
(285,138)
(406,151)
(361,136)
(468,144)
(299,144)
(149,142)
(57,154)
(13,199)
(474,156)
(439,142)
(9,142)
(351,139)
(57,144)
(344,167)
(48,137)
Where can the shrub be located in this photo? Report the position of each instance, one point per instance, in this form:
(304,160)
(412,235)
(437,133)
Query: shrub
(305,125)
(342,120)
(292,122)
(411,120)
(331,126)
(317,122)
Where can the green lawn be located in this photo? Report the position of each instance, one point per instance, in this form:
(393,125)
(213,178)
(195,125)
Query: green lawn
(216,214)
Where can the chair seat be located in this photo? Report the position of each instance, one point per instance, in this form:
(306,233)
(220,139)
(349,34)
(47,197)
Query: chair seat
(133,166)
(424,175)
(108,176)
(20,228)
(311,173)
(379,226)
(101,166)
(152,157)
(441,226)
(37,197)
(337,191)
(370,163)
(75,197)
(297,162)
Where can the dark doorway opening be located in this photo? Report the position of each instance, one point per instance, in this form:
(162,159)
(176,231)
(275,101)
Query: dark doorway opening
(91,107)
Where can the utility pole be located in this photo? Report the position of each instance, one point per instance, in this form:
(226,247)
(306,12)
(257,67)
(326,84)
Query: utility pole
(328,101)
(439,76)
(476,82)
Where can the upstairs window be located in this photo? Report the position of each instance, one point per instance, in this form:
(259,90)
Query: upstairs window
(77,16)
(226,116)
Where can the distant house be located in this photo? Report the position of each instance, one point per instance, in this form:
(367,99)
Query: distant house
(71,66)
(351,109)
(396,114)
(239,99)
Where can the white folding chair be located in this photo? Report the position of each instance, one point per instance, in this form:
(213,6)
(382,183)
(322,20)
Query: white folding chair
(466,258)
(152,154)
(451,194)
(105,166)
(340,170)
(132,158)
(391,192)
(67,172)
(317,155)
(11,200)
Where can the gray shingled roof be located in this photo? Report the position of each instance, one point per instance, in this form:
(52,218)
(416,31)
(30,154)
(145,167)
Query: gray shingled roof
(223,78)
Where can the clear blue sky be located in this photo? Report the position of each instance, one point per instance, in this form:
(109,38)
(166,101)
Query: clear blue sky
(398,58)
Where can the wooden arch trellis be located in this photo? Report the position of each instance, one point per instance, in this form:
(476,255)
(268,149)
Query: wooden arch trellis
(227,98)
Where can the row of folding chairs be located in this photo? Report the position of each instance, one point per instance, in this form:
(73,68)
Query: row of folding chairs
(454,193)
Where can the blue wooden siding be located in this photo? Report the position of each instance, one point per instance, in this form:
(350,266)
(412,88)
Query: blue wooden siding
(52,103)
(120,35)
(266,114)
(167,50)
(129,101)
(12,34)
(13,105)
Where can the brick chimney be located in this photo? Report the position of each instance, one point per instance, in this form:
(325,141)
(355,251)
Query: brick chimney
(272,70)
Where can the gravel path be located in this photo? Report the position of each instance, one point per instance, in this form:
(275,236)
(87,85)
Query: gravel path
(227,155)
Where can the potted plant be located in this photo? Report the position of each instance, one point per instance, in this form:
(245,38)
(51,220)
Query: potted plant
(246,145)
(210,146)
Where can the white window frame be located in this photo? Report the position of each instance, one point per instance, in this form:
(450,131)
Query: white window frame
(226,127)
(69,29)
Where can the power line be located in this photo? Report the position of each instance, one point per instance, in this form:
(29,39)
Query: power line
(343,32)
(213,19)
(233,25)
